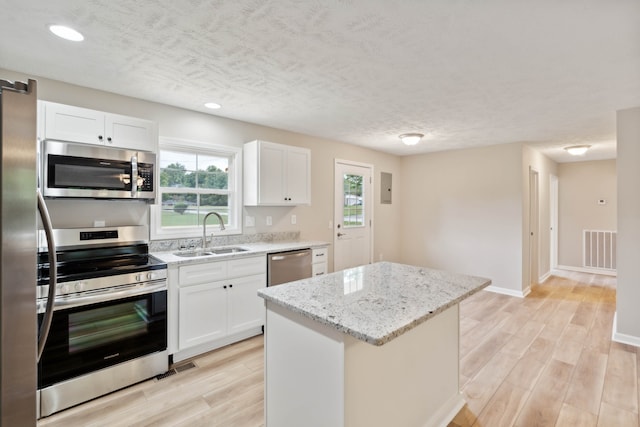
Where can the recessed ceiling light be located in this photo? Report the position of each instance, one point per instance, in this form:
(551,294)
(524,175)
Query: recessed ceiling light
(66,33)
(212,105)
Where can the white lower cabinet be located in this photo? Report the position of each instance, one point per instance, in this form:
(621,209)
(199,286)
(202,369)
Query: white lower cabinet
(245,307)
(219,304)
(203,314)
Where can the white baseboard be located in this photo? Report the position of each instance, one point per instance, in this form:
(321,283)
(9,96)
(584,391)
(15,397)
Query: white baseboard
(544,277)
(623,338)
(588,270)
(448,411)
(510,292)
(197,350)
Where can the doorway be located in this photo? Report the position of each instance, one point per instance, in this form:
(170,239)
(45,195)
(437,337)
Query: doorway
(353,215)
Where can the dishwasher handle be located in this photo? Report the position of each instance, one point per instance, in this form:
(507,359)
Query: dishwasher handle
(288,256)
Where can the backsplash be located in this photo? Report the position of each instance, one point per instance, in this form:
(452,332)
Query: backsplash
(196,242)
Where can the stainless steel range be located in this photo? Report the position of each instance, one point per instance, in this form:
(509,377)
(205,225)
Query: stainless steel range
(109,326)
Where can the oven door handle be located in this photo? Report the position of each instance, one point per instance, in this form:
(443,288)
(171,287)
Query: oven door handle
(110,295)
(53,274)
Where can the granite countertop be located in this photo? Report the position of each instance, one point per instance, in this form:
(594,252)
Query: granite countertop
(253,249)
(378,302)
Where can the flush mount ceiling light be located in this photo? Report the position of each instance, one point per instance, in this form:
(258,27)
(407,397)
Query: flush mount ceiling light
(577,150)
(212,105)
(411,138)
(66,33)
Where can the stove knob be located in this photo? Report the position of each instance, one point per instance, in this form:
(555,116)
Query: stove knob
(64,289)
(138,277)
(79,286)
(149,276)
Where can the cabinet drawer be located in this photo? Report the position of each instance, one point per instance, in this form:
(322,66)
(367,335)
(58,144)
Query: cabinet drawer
(202,273)
(246,266)
(318,269)
(319,255)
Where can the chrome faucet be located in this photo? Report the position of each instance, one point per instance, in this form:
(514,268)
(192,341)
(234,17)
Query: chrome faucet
(204,227)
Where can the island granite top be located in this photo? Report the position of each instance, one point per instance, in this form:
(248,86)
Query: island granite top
(375,303)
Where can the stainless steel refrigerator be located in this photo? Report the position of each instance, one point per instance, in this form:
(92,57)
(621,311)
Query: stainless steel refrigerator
(18,204)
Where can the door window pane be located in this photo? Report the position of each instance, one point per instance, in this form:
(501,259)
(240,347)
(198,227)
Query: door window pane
(352,209)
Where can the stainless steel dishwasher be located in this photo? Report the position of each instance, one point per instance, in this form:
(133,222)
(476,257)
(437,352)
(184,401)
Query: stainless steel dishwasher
(283,267)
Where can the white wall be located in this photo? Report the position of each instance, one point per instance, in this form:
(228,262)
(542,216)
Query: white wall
(628,288)
(580,186)
(312,221)
(462,211)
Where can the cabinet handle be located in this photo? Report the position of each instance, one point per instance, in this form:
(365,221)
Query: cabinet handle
(100,137)
(225,286)
(231,286)
(109,139)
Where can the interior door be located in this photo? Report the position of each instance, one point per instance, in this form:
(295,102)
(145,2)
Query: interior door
(553,208)
(353,208)
(533,227)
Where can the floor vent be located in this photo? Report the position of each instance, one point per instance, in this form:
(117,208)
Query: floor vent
(599,249)
(185,367)
(176,370)
(166,374)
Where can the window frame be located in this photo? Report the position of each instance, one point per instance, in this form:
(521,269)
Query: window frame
(234,189)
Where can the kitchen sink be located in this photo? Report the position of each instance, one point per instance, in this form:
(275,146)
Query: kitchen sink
(220,251)
(210,251)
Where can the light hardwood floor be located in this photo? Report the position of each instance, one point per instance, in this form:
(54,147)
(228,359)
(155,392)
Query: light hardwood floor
(545,360)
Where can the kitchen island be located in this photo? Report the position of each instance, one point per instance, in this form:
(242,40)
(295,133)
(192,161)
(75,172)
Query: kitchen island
(376,345)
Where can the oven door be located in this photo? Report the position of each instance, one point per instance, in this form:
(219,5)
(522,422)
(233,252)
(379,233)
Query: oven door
(91,337)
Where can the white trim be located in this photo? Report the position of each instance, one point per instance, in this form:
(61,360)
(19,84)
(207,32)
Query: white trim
(510,292)
(190,352)
(447,412)
(623,338)
(588,270)
(544,277)
(235,196)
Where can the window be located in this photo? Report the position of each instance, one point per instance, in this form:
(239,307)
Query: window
(353,214)
(194,179)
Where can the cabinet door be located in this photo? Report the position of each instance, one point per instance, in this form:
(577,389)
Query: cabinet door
(246,308)
(298,176)
(68,123)
(271,178)
(202,314)
(129,132)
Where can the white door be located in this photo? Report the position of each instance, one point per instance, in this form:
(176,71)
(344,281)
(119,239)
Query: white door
(533,227)
(553,207)
(353,208)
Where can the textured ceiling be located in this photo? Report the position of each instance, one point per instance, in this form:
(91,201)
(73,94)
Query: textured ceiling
(465,73)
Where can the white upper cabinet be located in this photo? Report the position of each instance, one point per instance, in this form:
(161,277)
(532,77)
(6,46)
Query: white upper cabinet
(276,174)
(75,124)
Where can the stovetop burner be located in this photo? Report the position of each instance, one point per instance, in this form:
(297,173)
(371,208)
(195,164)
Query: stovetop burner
(88,263)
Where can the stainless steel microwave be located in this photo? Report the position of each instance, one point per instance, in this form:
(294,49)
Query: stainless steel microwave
(91,171)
